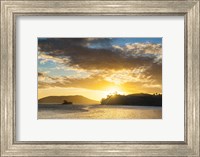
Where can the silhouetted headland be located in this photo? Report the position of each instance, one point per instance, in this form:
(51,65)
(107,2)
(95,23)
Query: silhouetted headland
(133,100)
(74,99)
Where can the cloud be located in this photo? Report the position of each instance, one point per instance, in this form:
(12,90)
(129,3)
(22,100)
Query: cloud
(140,87)
(142,50)
(44,79)
(43,58)
(95,82)
(79,55)
(103,81)
(132,65)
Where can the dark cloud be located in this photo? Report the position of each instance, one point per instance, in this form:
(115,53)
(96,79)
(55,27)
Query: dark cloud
(154,71)
(81,55)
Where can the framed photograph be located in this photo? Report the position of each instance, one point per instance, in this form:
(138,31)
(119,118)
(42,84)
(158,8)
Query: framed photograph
(99,78)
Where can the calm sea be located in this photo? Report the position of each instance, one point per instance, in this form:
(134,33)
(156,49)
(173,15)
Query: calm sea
(55,111)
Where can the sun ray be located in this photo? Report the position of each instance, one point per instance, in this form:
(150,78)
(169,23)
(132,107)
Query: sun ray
(113,90)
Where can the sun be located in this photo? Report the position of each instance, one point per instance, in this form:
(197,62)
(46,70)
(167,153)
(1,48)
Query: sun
(112,91)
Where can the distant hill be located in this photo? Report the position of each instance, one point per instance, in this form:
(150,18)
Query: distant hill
(140,99)
(75,99)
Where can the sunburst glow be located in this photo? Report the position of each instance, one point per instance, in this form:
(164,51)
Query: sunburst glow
(113,90)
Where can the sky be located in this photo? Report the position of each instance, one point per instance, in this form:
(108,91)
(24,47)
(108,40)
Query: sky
(96,67)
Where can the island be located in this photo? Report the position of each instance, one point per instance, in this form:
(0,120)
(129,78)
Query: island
(141,99)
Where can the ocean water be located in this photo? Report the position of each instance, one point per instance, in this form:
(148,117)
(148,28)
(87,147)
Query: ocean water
(55,111)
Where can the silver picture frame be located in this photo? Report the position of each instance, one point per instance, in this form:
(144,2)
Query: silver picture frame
(11,9)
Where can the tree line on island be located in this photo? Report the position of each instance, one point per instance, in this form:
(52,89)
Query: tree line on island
(133,100)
